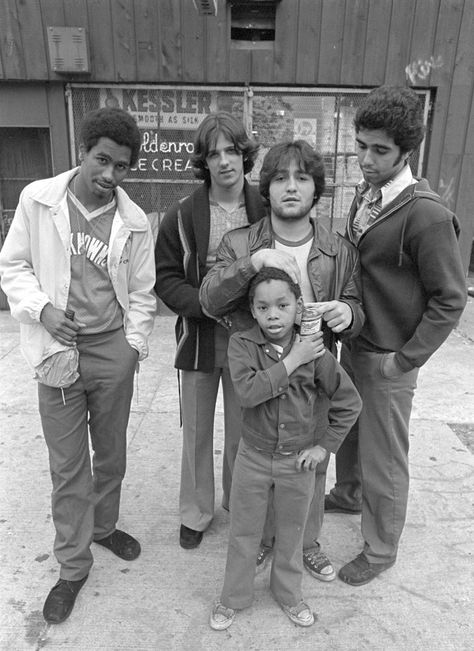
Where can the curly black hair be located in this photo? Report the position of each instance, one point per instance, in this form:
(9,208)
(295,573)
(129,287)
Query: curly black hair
(113,123)
(206,137)
(272,273)
(280,155)
(396,110)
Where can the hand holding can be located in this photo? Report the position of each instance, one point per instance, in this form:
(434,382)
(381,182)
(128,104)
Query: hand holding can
(310,320)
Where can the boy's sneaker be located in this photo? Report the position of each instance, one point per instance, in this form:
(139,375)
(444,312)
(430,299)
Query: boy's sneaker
(263,557)
(319,565)
(301,614)
(221,617)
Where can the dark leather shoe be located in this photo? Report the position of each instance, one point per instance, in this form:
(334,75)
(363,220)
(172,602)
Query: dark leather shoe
(330,506)
(360,571)
(122,545)
(189,538)
(60,601)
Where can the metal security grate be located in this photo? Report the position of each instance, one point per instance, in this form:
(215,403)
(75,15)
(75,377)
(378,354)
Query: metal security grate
(169,115)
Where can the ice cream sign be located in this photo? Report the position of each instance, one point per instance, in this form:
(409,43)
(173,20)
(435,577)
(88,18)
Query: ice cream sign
(164,108)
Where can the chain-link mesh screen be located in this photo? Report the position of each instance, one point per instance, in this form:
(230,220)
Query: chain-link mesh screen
(169,116)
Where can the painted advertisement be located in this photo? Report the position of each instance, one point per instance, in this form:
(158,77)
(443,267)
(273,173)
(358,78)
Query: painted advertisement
(167,119)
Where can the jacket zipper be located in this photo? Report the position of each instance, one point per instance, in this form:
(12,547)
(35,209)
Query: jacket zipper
(379,221)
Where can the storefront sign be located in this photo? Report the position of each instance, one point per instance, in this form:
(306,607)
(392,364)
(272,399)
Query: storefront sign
(170,108)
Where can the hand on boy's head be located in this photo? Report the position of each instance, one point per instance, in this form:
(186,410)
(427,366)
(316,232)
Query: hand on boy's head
(337,314)
(279,259)
(309,459)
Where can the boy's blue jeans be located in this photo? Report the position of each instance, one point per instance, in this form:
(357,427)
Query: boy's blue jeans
(254,475)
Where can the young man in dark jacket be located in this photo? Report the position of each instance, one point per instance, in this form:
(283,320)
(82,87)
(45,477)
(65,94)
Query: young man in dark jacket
(324,264)
(185,250)
(414,292)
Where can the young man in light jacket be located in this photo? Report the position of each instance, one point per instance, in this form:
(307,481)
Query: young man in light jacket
(78,269)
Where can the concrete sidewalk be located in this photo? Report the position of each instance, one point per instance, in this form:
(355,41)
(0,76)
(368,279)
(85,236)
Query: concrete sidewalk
(162,600)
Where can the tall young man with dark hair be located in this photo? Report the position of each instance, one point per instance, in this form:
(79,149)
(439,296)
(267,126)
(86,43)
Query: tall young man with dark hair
(325,266)
(185,250)
(78,269)
(414,292)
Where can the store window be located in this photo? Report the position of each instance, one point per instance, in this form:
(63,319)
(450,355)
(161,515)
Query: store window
(169,116)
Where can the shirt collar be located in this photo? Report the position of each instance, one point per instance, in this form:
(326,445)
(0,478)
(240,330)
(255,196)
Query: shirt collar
(391,189)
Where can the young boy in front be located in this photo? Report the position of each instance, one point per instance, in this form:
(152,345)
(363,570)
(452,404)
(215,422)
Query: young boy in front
(277,376)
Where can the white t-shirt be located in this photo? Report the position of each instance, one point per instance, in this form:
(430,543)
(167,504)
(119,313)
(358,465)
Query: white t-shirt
(300,250)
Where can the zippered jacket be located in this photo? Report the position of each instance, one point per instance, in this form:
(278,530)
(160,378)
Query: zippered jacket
(181,254)
(413,282)
(35,265)
(333,269)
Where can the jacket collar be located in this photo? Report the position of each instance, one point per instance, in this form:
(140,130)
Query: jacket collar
(51,194)
(255,335)
(324,241)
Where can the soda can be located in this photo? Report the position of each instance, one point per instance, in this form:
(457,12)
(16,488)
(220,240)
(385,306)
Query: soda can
(310,320)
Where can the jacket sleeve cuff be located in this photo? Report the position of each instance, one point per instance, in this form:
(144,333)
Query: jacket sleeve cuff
(331,441)
(403,363)
(278,378)
(139,345)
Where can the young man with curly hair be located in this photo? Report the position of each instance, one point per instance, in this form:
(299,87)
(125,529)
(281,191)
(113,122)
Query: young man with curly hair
(414,292)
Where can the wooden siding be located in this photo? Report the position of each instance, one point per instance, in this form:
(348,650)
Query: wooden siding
(332,43)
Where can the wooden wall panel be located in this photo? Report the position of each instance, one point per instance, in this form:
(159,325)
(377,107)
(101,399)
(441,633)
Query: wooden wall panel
(193,46)
(353,46)
(465,196)
(459,132)
(398,50)
(444,50)
(75,12)
(11,47)
(263,66)
(170,26)
(52,13)
(36,60)
(102,45)
(240,65)
(422,56)
(148,41)
(286,45)
(330,50)
(308,37)
(217,35)
(123,34)
(464,209)
(461,87)
(377,35)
